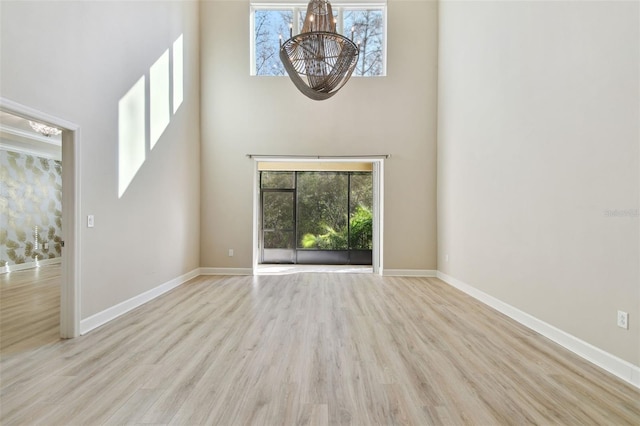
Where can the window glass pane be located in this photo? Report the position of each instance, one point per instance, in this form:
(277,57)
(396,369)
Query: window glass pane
(277,210)
(278,239)
(368,30)
(360,216)
(322,210)
(277,180)
(368,26)
(268,26)
(303,14)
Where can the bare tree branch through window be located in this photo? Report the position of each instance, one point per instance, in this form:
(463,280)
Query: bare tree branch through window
(365,25)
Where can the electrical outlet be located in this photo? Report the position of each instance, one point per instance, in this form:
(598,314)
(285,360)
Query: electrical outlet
(446,257)
(90,221)
(623,320)
(230,252)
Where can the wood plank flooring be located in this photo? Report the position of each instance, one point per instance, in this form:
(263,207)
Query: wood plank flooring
(310,349)
(29,308)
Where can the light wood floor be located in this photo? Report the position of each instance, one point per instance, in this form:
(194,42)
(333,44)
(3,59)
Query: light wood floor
(30,308)
(311,348)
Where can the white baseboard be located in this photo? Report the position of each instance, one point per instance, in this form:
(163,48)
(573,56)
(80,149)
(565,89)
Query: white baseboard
(409,273)
(29,265)
(226,271)
(113,312)
(611,363)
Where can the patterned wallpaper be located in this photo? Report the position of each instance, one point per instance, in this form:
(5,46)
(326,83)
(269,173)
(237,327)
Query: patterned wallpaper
(30,208)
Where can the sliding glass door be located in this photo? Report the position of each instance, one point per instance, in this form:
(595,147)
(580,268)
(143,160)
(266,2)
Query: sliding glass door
(316,217)
(278,201)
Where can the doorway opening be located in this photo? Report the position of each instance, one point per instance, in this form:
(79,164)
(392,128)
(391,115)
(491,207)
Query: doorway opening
(69,215)
(318,212)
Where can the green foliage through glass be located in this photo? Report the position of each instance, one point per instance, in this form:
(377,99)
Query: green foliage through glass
(333,210)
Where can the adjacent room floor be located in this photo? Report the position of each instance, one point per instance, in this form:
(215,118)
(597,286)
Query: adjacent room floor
(309,348)
(30,314)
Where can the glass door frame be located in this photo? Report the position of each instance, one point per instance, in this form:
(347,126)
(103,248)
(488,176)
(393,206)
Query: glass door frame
(293,230)
(377,162)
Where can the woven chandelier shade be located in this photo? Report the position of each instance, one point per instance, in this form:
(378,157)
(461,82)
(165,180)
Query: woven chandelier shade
(319,61)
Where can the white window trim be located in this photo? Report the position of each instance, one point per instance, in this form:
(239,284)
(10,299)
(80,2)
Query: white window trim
(304,3)
(300,6)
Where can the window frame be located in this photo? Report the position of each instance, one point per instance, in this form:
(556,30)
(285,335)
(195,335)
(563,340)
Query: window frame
(298,9)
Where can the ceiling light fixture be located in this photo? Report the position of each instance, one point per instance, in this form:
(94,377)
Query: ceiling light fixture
(319,61)
(45,130)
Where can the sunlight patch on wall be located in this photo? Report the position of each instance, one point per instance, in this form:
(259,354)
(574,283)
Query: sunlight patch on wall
(131,134)
(159,113)
(178,79)
(166,81)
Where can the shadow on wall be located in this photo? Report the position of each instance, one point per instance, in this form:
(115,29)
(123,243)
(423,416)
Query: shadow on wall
(165,97)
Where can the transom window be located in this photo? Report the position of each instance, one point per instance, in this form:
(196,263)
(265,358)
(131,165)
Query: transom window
(365,24)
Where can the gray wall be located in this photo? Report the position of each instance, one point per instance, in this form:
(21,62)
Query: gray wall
(393,115)
(538,137)
(76,60)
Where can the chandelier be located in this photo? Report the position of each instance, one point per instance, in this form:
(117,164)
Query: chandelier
(45,130)
(319,61)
